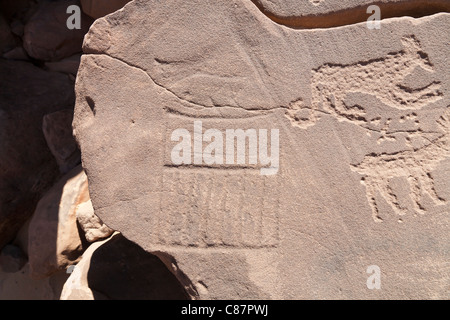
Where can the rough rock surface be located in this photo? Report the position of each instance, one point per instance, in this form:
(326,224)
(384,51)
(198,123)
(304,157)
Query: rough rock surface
(93,227)
(363,120)
(100,8)
(54,241)
(119,269)
(27,167)
(46,36)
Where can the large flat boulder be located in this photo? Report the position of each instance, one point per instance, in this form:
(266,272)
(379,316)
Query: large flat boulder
(356,122)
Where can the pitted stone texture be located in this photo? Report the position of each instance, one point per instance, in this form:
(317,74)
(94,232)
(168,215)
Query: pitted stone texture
(363,125)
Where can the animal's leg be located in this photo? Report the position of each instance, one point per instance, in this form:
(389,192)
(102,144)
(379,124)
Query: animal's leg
(390,197)
(371,192)
(427,182)
(416,194)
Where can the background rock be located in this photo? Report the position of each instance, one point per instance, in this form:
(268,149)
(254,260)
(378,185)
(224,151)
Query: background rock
(18,53)
(57,128)
(12,259)
(46,36)
(27,167)
(67,65)
(17,9)
(100,8)
(7,40)
(54,241)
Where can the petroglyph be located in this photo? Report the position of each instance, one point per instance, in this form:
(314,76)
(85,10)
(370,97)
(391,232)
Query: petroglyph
(384,78)
(415,165)
(218,209)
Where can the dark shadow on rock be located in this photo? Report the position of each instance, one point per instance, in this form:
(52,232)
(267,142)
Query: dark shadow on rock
(121,270)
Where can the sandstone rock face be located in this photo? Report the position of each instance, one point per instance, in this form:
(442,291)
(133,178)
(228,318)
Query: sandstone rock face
(54,241)
(27,167)
(357,122)
(100,8)
(118,269)
(46,36)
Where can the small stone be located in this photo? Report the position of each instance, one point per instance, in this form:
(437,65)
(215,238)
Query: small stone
(92,225)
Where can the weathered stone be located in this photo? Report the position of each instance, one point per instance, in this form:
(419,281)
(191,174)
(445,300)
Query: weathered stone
(12,259)
(363,122)
(57,128)
(53,240)
(27,167)
(100,8)
(46,35)
(117,268)
(93,227)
